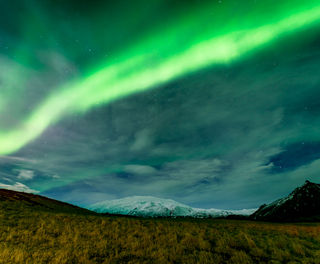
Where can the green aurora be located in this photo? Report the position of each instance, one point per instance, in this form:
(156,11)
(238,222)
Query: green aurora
(210,103)
(160,58)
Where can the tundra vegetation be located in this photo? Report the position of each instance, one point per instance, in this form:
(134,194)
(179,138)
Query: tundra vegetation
(31,234)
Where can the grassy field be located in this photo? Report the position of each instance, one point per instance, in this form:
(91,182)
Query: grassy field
(31,236)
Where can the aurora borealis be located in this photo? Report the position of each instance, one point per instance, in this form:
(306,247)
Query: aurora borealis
(184,100)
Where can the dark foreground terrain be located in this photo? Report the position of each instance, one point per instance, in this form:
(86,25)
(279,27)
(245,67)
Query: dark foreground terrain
(32,232)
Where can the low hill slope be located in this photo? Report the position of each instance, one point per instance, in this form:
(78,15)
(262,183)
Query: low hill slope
(11,200)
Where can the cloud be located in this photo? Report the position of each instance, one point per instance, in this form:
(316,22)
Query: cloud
(16,159)
(7,179)
(20,187)
(140,169)
(142,140)
(26,175)
(189,171)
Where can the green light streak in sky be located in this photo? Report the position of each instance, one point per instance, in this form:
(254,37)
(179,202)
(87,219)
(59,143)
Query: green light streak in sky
(142,71)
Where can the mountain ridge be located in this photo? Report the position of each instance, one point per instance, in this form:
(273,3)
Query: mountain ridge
(148,206)
(302,204)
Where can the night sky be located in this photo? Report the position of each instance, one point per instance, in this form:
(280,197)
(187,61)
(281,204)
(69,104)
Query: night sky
(215,104)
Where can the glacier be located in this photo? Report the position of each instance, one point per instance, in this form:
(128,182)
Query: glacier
(148,206)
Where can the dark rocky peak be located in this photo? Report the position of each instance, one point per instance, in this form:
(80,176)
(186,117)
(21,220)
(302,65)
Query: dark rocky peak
(303,204)
(307,189)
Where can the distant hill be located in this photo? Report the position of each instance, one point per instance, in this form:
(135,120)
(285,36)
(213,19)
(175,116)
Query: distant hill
(12,200)
(148,206)
(303,204)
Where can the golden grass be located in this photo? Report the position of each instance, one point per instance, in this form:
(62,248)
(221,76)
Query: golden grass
(29,236)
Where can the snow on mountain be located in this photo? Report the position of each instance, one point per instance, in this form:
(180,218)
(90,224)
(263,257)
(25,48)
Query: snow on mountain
(147,206)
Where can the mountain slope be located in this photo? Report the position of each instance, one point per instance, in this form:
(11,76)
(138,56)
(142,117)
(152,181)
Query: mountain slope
(147,206)
(11,200)
(303,204)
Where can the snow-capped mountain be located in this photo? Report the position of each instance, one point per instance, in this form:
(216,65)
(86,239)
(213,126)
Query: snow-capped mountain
(147,206)
(302,204)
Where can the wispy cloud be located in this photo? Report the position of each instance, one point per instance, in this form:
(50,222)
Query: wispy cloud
(140,169)
(26,175)
(16,159)
(20,187)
